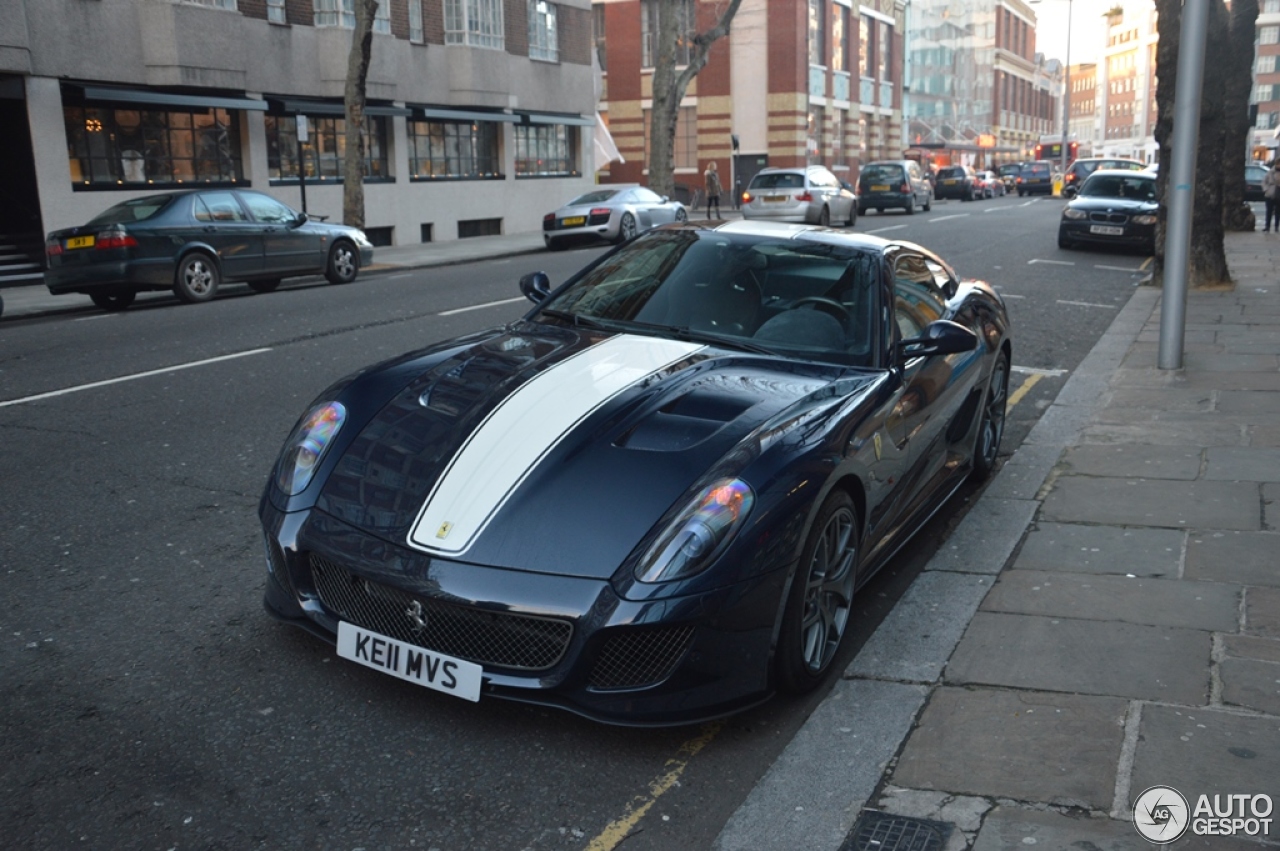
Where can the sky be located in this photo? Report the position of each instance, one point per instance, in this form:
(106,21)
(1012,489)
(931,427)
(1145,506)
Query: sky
(1088,27)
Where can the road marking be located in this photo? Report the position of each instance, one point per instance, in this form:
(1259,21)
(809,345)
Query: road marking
(480,306)
(618,830)
(1117,268)
(1011,295)
(1028,204)
(1052,262)
(1031,370)
(1017,395)
(398,277)
(122,378)
(99,316)
(1087,304)
(944,218)
(886,230)
(1146,263)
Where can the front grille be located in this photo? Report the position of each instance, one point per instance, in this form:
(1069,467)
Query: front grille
(1109,218)
(501,639)
(637,658)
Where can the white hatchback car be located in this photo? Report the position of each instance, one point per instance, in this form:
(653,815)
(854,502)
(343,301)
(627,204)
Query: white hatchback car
(811,195)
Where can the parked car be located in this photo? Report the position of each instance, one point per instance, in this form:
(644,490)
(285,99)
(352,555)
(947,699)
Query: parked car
(992,185)
(810,195)
(1009,173)
(1113,207)
(894,184)
(957,181)
(653,499)
(1253,175)
(191,242)
(1082,168)
(1035,178)
(612,213)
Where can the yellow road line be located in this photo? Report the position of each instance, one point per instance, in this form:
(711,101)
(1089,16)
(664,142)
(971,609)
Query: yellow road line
(1017,395)
(618,830)
(1146,263)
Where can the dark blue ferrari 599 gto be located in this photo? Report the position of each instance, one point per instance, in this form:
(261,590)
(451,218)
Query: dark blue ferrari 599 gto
(652,499)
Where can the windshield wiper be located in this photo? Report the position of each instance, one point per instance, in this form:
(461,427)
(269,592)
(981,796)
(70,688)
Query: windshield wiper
(577,319)
(683,332)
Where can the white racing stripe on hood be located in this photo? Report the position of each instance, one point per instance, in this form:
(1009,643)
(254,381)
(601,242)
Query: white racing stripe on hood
(526,426)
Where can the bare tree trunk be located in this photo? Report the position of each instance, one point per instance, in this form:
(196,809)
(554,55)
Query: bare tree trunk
(669,87)
(1236,213)
(357,75)
(1207,251)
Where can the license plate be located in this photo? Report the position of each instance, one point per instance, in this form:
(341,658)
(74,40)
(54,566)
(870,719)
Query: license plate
(80,242)
(575,220)
(880,188)
(409,662)
(1106,230)
(949,182)
(776,199)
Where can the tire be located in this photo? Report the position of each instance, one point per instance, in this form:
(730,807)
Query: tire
(928,202)
(820,601)
(554,245)
(1019,193)
(824,218)
(853,216)
(862,211)
(268,286)
(196,280)
(344,263)
(113,300)
(1064,243)
(991,422)
(681,216)
(626,227)
(880,210)
(911,206)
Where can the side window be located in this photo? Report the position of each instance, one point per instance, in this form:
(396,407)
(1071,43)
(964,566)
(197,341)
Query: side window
(941,277)
(218,207)
(266,209)
(917,299)
(914,171)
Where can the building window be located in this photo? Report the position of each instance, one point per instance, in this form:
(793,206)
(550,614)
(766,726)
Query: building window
(1267,120)
(866,43)
(325,149)
(218,4)
(884,53)
(815,146)
(453,150)
(477,23)
(416,34)
(1263,92)
(1270,7)
(685,29)
(342,13)
(685,153)
(839,38)
(1267,64)
(546,150)
(597,26)
(152,147)
(542,31)
(817,34)
(275,12)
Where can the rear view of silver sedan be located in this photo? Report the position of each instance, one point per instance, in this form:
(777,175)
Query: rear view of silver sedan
(610,213)
(809,195)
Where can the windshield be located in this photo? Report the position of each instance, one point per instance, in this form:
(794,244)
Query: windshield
(1119,186)
(792,296)
(597,197)
(135,210)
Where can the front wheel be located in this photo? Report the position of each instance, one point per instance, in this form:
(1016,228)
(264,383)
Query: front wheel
(681,216)
(196,279)
(626,227)
(991,426)
(821,597)
(115,300)
(343,265)
(1064,243)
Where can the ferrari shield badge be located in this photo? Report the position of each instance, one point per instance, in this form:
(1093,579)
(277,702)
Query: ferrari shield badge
(443,531)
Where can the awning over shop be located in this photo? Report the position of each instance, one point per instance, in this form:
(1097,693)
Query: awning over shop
(553,118)
(448,114)
(158,98)
(294,106)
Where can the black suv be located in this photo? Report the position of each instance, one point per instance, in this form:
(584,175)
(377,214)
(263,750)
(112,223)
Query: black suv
(893,183)
(1036,178)
(957,181)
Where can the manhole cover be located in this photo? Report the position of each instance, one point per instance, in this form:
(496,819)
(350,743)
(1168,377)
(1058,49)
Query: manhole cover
(876,831)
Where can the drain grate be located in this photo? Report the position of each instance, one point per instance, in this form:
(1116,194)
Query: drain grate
(877,831)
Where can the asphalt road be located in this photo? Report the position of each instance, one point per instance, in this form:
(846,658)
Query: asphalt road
(148,702)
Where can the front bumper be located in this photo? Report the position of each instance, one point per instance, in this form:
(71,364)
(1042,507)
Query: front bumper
(1078,230)
(652,663)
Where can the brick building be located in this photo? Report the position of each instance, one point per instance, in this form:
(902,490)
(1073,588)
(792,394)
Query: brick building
(1084,126)
(797,81)
(1126,86)
(1266,75)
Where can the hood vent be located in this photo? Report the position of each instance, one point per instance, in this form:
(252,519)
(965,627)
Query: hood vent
(685,421)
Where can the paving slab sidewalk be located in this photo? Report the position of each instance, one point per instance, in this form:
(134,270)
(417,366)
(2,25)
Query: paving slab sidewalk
(1130,636)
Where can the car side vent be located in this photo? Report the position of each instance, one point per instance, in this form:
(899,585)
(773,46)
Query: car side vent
(639,658)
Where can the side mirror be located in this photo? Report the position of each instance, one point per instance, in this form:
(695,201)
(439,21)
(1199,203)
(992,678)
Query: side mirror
(942,337)
(665,199)
(300,219)
(536,286)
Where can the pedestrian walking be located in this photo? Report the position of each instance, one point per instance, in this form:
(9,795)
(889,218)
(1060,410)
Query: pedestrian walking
(712,179)
(1269,184)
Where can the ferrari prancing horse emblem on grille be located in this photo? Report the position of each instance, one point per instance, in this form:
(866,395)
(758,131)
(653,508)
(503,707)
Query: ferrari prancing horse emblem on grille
(417,617)
(443,531)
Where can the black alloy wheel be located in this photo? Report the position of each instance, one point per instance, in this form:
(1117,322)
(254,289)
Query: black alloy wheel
(113,300)
(821,597)
(343,264)
(991,425)
(196,280)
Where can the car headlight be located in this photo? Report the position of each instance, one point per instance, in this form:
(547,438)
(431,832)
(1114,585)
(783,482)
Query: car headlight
(306,446)
(699,534)
(1144,220)
(1074,214)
